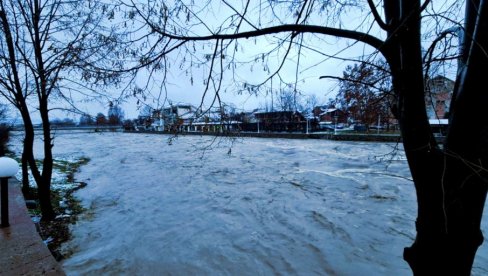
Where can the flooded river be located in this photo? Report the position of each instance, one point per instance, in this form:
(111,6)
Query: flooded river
(198,206)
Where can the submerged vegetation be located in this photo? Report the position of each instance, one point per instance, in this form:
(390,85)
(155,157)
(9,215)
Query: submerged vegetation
(56,232)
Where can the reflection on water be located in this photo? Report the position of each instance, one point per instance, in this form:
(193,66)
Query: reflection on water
(268,206)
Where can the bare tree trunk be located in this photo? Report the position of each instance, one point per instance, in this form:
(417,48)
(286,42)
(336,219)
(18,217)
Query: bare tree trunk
(25,172)
(45,188)
(451,184)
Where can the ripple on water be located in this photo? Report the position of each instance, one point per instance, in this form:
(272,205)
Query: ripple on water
(273,206)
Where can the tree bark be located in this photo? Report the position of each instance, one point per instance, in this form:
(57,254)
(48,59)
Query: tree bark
(25,173)
(44,187)
(451,184)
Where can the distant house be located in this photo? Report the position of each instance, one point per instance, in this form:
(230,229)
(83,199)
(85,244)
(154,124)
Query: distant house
(279,116)
(143,123)
(330,114)
(276,121)
(216,114)
(214,119)
(438,97)
(245,117)
(173,117)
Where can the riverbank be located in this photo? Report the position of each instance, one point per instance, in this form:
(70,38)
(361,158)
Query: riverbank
(327,135)
(52,234)
(67,207)
(22,251)
(340,136)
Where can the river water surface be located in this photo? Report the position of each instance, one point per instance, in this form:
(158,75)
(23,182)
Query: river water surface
(198,206)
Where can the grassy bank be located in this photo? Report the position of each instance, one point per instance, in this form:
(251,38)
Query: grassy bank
(54,233)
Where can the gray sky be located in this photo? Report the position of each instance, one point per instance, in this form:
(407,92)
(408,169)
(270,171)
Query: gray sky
(301,68)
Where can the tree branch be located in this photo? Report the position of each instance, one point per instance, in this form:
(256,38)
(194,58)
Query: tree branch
(377,16)
(296,29)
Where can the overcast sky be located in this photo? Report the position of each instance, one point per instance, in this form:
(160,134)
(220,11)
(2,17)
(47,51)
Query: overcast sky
(185,83)
(301,68)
